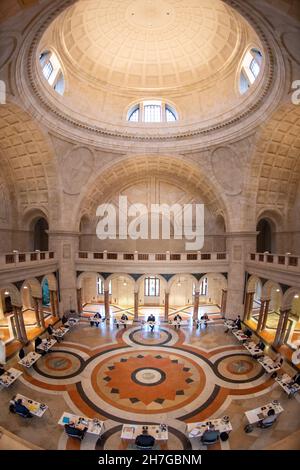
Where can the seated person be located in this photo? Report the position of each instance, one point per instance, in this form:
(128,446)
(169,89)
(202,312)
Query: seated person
(124,317)
(269,420)
(261,345)
(205,319)
(210,435)
(296,379)
(238,323)
(2,370)
(22,353)
(98,315)
(151,318)
(74,431)
(278,359)
(50,329)
(144,439)
(248,333)
(37,343)
(178,319)
(64,319)
(21,409)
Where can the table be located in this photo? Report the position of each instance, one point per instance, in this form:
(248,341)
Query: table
(47,344)
(268,364)
(158,431)
(122,322)
(35,408)
(240,335)
(9,377)
(60,332)
(94,426)
(71,322)
(229,324)
(284,381)
(178,323)
(258,414)
(253,349)
(198,429)
(30,359)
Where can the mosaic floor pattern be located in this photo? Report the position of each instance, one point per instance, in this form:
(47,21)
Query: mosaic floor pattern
(131,375)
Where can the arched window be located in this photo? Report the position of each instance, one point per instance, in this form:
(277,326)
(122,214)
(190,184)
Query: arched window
(152,286)
(152,111)
(204,286)
(52,72)
(250,69)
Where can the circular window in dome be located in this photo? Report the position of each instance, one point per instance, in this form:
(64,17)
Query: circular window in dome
(250,70)
(52,71)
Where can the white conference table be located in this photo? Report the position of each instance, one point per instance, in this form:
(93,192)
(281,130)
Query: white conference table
(258,414)
(29,359)
(9,377)
(158,431)
(284,381)
(253,349)
(269,365)
(60,332)
(35,408)
(94,426)
(198,429)
(46,344)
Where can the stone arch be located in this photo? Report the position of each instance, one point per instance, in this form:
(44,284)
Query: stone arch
(13,292)
(289,296)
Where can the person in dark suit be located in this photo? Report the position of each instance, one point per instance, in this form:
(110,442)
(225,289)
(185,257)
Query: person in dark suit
(210,435)
(21,353)
(2,370)
(151,318)
(238,323)
(124,317)
(177,318)
(145,440)
(21,409)
(37,343)
(73,431)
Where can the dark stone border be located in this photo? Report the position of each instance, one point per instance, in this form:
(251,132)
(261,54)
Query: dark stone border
(227,379)
(161,380)
(167,340)
(62,377)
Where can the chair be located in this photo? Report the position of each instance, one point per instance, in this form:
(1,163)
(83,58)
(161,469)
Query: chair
(265,425)
(210,437)
(75,432)
(21,354)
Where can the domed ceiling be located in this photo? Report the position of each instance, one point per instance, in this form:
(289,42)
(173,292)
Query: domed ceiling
(148,43)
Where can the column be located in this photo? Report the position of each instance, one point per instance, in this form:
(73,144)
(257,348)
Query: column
(65,244)
(56,303)
(239,245)
(17,325)
(266,313)
(41,315)
(281,321)
(284,326)
(52,306)
(136,306)
(167,296)
(79,301)
(290,331)
(223,301)
(261,315)
(19,313)
(36,311)
(106,304)
(196,305)
(246,306)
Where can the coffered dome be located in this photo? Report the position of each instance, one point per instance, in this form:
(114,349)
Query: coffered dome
(149,43)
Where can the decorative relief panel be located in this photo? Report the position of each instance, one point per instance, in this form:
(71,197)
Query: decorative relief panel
(77,167)
(228,170)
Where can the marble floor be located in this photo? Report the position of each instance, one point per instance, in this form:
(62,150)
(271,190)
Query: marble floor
(129,375)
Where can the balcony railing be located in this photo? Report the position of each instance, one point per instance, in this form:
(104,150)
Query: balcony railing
(271,259)
(153,257)
(16,258)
